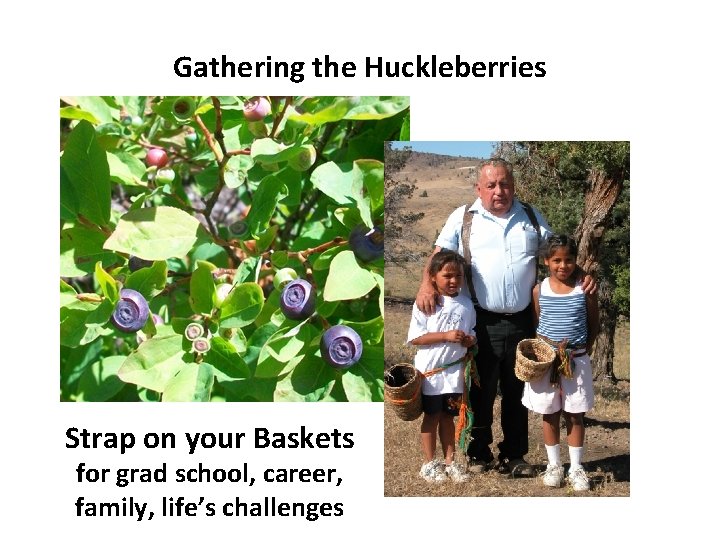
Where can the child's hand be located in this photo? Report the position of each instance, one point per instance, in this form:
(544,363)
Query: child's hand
(454,336)
(468,341)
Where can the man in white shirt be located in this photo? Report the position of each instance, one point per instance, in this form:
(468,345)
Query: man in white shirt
(503,244)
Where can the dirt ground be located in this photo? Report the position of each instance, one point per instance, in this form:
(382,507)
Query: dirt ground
(449,184)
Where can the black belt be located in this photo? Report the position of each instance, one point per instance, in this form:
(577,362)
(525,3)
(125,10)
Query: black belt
(487,313)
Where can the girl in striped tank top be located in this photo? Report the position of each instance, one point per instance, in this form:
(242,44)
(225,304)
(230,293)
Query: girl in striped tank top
(568,320)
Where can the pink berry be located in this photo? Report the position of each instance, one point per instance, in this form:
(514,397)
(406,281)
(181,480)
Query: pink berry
(256,108)
(156,157)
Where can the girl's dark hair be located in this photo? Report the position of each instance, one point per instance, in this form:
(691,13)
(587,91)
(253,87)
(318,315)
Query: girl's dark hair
(441,258)
(557,241)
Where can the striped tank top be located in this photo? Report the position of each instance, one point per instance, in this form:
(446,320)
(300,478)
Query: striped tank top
(563,315)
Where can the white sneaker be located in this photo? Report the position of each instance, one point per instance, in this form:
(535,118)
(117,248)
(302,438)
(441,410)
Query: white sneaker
(433,471)
(457,472)
(578,479)
(553,475)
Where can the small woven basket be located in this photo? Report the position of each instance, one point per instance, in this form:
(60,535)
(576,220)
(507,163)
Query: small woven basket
(403,383)
(532,359)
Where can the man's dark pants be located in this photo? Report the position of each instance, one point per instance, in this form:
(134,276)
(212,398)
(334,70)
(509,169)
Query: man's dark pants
(498,336)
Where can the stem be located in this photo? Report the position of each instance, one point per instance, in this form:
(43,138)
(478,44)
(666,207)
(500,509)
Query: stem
(89,297)
(240,152)
(209,139)
(90,225)
(278,118)
(219,137)
(305,210)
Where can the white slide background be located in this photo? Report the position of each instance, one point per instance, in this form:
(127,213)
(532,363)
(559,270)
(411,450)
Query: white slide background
(615,71)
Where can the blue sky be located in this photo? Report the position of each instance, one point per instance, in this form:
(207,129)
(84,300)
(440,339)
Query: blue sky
(478,149)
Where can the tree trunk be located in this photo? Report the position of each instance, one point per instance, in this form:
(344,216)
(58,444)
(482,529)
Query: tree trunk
(599,200)
(604,349)
(602,195)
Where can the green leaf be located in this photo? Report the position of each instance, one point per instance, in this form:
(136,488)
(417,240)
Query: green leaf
(101,316)
(87,170)
(373,173)
(326,257)
(156,234)
(224,357)
(247,270)
(293,183)
(95,105)
(265,199)
(333,113)
(154,363)
(73,113)
(74,361)
(242,306)
(356,108)
(106,282)
(272,304)
(364,380)
(202,287)
(347,280)
(126,169)
(279,259)
(311,380)
(68,199)
(148,281)
(283,348)
(405,129)
(210,252)
(381,285)
(74,315)
(269,151)
(350,217)
(66,288)
(370,331)
(100,382)
(266,238)
(80,249)
(237,168)
(345,184)
(193,382)
(335,181)
(250,389)
(376,107)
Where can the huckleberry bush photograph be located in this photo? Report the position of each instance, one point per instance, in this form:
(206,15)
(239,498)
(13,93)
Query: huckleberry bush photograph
(223,248)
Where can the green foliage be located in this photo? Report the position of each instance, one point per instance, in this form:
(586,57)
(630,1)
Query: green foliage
(554,176)
(222,169)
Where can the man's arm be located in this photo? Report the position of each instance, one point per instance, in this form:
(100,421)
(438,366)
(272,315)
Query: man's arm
(427,297)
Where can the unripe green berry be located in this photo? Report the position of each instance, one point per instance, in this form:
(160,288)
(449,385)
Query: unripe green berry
(164,176)
(239,229)
(183,108)
(304,159)
(283,277)
(258,129)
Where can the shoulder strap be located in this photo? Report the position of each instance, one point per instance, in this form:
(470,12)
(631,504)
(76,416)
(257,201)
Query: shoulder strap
(465,237)
(533,219)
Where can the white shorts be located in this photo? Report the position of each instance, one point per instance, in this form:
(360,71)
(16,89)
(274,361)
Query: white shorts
(574,395)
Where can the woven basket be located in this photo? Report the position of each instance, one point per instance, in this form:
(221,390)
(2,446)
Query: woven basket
(403,383)
(532,359)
